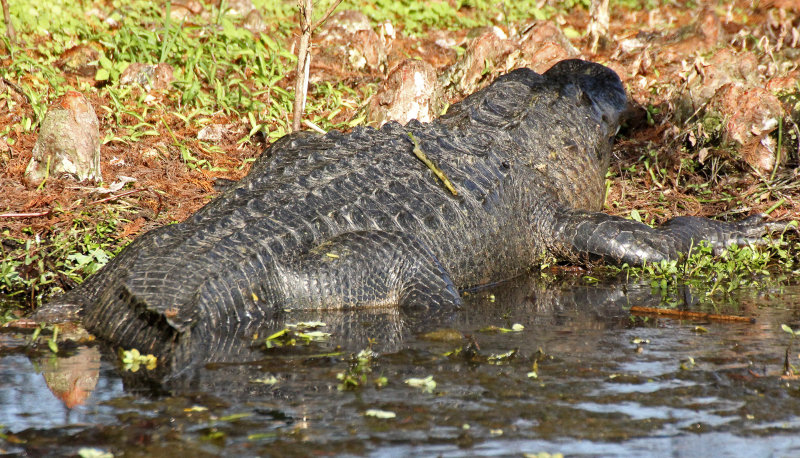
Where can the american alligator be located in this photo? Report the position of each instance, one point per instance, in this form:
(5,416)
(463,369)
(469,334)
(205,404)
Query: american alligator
(358,220)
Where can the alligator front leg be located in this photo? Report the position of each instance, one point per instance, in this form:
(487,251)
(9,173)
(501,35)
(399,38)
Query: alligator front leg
(368,269)
(598,236)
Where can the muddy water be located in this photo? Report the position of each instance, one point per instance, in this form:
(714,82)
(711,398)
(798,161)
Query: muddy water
(584,376)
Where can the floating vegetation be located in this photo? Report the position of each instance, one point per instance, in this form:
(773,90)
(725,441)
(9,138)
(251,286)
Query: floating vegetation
(516,327)
(94,453)
(52,341)
(297,334)
(503,358)
(718,275)
(382,414)
(132,360)
(357,373)
(427,384)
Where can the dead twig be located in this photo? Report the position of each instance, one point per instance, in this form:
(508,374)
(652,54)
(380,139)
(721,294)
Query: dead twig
(307,28)
(12,34)
(16,88)
(325,16)
(25,215)
(314,127)
(132,191)
(303,63)
(109,198)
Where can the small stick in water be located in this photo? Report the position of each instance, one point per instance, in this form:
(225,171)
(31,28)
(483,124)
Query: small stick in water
(685,314)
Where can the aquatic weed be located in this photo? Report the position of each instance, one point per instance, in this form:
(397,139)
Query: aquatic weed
(709,274)
(788,368)
(356,374)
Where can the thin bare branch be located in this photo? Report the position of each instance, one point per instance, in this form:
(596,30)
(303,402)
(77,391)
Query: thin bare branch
(306,8)
(314,127)
(15,87)
(12,34)
(24,215)
(326,15)
(123,194)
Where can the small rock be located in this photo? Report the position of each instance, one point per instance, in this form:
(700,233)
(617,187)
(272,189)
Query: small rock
(68,142)
(239,7)
(152,155)
(163,76)
(705,78)
(438,49)
(723,68)
(254,22)
(80,60)
(214,132)
(540,57)
(490,53)
(542,32)
(148,76)
(348,38)
(410,92)
(474,70)
(181,11)
(749,115)
(349,21)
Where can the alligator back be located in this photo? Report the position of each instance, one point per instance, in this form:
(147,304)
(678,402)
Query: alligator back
(358,219)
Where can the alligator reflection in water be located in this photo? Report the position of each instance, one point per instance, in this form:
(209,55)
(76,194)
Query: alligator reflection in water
(594,390)
(241,346)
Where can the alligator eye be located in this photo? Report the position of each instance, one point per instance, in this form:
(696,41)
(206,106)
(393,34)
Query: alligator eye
(505,164)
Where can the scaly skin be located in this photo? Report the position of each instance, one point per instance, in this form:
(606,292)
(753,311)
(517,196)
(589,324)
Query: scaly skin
(357,220)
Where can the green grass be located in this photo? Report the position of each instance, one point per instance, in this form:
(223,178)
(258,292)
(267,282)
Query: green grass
(415,17)
(712,277)
(37,265)
(218,65)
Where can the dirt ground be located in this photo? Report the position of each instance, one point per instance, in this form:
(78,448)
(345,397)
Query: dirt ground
(705,81)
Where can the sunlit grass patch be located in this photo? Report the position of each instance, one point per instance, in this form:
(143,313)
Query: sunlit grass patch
(710,275)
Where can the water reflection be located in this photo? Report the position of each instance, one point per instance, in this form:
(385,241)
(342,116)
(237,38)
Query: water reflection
(72,378)
(584,376)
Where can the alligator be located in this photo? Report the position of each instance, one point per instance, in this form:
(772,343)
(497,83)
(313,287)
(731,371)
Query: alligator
(402,216)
